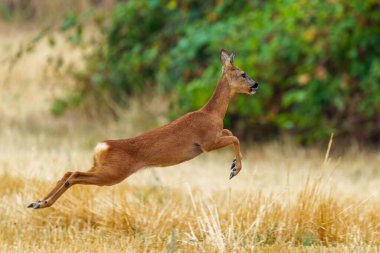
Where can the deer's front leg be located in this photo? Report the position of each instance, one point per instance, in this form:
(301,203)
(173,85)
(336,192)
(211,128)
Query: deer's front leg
(226,132)
(223,141)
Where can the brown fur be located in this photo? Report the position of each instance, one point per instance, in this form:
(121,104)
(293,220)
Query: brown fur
(179,141)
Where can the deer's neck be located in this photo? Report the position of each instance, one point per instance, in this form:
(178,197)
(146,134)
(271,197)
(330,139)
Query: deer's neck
(218,103)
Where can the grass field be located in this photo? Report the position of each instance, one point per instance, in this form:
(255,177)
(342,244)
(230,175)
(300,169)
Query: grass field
(286,199)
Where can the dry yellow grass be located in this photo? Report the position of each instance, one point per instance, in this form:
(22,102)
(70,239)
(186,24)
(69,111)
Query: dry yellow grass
(286,199)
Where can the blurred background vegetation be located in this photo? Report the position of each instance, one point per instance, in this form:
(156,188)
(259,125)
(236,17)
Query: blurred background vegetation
(317,62)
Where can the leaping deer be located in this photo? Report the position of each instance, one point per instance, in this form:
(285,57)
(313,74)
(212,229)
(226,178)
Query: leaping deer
(181,140)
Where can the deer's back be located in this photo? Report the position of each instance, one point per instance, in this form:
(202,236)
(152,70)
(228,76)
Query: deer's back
(170,144)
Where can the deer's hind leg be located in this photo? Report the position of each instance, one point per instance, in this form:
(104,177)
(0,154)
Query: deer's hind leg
(108,169)
(98,176)
(57,186)
(55,189)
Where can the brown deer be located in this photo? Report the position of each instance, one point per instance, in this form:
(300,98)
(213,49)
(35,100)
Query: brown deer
(179,141)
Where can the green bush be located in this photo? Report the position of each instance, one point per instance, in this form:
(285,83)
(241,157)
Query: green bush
(317,62)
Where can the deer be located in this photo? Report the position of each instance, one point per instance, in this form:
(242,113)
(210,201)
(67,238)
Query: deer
(181,140)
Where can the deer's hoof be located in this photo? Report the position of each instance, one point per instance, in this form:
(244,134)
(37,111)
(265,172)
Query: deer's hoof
(233,169)
(233,173)
(35,205)
(233,165)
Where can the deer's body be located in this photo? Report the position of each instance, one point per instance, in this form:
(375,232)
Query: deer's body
(164,150)
(179,141)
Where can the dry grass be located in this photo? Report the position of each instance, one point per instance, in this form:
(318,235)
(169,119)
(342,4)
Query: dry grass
(42,12)
(286,199)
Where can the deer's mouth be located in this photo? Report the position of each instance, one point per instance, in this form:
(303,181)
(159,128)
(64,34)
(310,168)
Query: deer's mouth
(252,91)
(253,88)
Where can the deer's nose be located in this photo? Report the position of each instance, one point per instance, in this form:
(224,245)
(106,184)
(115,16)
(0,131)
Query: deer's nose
(255,85)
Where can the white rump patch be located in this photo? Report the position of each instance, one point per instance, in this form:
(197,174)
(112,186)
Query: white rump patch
(100,147)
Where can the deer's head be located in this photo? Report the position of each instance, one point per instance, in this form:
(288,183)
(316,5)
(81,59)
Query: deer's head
(238,80)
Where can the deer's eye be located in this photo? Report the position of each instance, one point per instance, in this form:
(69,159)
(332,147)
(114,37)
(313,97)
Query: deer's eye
(244,75)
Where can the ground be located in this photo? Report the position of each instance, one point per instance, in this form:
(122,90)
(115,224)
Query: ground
(286,198)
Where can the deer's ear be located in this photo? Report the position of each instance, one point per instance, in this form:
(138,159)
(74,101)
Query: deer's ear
(225,58)
(232,56)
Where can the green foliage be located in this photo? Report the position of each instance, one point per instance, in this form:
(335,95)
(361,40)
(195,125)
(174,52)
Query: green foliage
(317,62)
(5,12)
